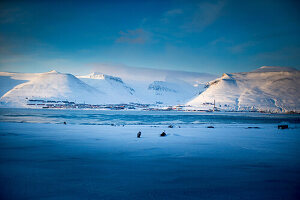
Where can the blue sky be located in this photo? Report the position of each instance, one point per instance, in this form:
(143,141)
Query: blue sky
(198,36)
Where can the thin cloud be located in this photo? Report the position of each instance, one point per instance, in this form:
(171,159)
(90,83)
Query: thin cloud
(173,12)
(285,54)
(276,35)
(220,40)
(206,13)
(170,14)
(239,48)
(137,36)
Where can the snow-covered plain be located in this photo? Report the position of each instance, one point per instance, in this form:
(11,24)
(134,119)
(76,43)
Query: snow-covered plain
(56,161)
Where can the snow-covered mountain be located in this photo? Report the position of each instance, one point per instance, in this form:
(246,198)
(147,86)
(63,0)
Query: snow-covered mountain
(113,87)
(52,86)
(9,80)
(168,92)
(171,92)
(275,89)
(95,88)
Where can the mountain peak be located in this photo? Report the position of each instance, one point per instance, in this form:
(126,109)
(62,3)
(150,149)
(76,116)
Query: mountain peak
(53,72)
(98,75)
(226,76)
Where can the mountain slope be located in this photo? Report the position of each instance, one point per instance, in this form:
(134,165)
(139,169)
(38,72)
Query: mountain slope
(53,86)
(9,80)
(170,92)
(113,87)
(274,89)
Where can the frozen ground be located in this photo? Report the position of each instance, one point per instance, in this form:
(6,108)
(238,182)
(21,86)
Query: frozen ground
(56,161)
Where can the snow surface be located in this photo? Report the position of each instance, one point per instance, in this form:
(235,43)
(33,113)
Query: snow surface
(274,89)
(56,161)
(9,80)
(53,86)
(171,91)
(115,89)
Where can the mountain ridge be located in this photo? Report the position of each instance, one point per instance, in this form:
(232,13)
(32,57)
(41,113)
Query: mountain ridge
(274,90)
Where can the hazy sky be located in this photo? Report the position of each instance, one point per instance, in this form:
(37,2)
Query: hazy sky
(201,36)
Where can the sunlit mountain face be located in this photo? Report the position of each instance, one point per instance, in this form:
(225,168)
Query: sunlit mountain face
(268,89)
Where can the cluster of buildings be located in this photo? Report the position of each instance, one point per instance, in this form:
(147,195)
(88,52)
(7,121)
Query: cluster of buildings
(39,103)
